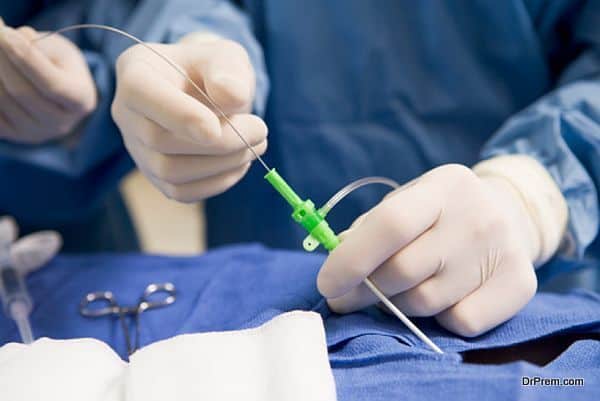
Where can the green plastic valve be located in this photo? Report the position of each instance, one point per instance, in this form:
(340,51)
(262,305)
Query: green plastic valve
(305,214)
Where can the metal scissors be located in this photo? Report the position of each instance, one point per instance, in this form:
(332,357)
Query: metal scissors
(154,296)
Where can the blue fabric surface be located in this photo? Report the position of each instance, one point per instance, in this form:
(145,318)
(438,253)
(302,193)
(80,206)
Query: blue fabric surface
(372,355)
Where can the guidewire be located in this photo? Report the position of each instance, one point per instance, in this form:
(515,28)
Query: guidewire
(184,74)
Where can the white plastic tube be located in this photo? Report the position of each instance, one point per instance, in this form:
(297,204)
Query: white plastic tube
(20,314)
(16,300)
(353,186)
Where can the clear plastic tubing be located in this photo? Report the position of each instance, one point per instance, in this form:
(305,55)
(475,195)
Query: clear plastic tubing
(335,199)
(353,186)
(20,313)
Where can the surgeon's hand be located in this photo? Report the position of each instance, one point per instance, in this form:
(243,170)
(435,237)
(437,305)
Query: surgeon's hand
(449,244)
(170,130)
(46,87)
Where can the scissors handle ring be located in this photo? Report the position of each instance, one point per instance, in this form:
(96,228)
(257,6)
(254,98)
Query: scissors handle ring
(167,288)
(98,296)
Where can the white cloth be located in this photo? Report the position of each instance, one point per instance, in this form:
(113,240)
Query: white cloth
(283,360)
(65,370)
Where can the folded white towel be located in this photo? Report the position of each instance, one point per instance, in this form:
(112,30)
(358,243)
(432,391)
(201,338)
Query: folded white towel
(283,360)
(65,370)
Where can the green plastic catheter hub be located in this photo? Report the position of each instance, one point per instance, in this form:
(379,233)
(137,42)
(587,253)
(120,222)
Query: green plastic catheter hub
(304,212)
(306,215)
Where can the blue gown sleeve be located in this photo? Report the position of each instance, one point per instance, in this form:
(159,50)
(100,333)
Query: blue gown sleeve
(562,131)
(73,175)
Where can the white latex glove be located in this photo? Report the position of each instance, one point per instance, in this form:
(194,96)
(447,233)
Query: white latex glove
(30,252)
(46,87)
(449,244)
(176,140)
(35,250)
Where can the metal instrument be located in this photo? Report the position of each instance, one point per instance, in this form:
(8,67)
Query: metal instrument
(103,303)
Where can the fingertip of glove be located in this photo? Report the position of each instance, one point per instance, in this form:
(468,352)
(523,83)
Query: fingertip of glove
(13,43)
(326,283)
(204,129)
(229,91)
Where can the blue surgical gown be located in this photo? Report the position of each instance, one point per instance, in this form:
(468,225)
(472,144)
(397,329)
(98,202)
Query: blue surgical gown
(357,88)
(71,185)
(394,88)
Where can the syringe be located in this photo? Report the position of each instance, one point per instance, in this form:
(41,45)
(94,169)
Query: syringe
(16,300)
(16,260)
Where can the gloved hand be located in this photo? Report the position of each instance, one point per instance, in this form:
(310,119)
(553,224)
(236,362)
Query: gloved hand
(449,244)
(30,252)
(46,87)
(176,140)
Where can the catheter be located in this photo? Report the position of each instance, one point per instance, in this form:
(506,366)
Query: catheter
(304,211)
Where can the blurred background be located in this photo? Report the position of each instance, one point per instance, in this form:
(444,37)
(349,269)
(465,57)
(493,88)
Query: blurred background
(163,226)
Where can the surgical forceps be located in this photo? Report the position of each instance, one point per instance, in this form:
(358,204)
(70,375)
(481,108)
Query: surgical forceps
(149,300)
